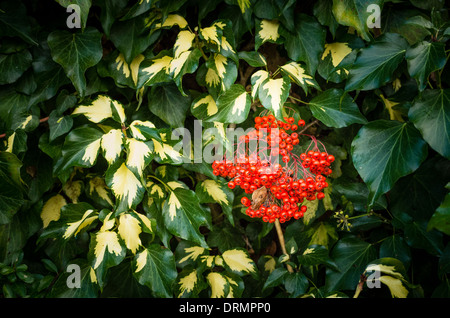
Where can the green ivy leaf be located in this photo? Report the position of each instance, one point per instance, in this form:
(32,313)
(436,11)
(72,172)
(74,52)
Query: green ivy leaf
(376,64)
(424,58)
(155,268)
(11,192)
(169,104)
(12,66)
(307,42)
(351,256)
(441,218)
(383,151)
(336,109)
(76,52)
(431,115)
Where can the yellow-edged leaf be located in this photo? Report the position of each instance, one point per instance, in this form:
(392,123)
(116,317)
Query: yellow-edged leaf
(106,241)
(75,227)
(112,145)
(393,113)
(239,261)
(243,5)
(177,63)
(129,230)
(257,79)
(210,34)
(155,189)
(91,152)
(212,78)
(132,69)
(174,205)
(165,151)
(51,211)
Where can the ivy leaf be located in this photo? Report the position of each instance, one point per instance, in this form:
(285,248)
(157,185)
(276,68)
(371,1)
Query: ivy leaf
(273,93)
(441,218)
(101,108)
(355,13)
(424,58)
(155,268)
(306,43)
(76,52)
(238,261)
(383,151)
(267,31)
(59,125)
(431,115)
(189,283)
(211,191)
(80,149)
(233,106)
(351,256)
(125,185)
(11,192)
(253,58)
(183,215)
(169,104)
(376,64)
(297,74)
(12,66)
(105,251)
(336,109)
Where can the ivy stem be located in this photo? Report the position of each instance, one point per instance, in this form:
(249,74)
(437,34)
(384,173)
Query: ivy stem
(162,182)
(282,243)
(298,100)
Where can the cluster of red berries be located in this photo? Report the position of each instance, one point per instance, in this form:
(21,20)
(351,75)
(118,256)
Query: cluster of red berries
(277,191)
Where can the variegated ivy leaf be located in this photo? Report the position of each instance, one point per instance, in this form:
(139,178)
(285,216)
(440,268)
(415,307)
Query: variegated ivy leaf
(338,52)
(218,74)
(75,227)
(129,229)
(98,191)
(212,191)
(101,108)
(244,5)
(143,130)
(239,262)
(155,70)
(392,274)
(204,106)
(297,74)
(140,154)
(123,73)
(183,215)
(273,93)
(188,253)
(267,31)
(80,149)
(73,189)
(112,145)
(155,190)
(253,58)
(189,283)
(51,211)
(186,63)
(105,250)
(257,79)
(171,20)
(155,268)
(183,42)
(220,287)
(125,185)
(233,106)
(165,151)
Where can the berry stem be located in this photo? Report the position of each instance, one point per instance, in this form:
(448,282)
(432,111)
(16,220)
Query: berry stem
(282,243)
